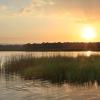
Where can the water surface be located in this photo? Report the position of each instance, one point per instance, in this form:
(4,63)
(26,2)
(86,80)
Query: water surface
(13,87)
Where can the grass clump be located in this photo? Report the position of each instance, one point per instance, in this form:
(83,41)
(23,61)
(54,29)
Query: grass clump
(57,69)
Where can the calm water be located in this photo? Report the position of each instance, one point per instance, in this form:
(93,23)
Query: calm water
(16,88)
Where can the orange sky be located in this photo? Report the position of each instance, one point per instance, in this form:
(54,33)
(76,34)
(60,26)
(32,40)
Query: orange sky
(25,21)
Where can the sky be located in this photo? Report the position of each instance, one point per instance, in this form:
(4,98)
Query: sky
(29,21)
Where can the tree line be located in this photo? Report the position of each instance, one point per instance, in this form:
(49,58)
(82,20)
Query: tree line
(66,46)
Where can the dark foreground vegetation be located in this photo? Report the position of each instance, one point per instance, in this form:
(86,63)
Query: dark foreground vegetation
(67,46)
(58,69)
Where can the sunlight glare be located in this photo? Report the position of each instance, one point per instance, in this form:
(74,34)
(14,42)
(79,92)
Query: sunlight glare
(88,32)
(88,53)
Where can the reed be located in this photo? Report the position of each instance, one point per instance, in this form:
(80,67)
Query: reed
(57,69)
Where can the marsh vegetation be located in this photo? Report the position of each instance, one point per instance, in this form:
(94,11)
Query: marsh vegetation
(56,69)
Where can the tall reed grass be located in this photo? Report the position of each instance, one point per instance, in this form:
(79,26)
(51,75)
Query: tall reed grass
(57,69)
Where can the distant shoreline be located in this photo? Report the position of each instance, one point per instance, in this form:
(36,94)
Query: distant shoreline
(53,47)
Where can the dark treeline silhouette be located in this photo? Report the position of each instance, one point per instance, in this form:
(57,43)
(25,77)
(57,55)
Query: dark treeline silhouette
(67,46)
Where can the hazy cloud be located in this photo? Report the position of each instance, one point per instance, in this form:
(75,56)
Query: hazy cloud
(36,6)
(4,10)
(81,8)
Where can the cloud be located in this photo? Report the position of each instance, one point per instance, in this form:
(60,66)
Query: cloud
(3,8)
(7,11)
(81,8)
(36,6)
(76,8)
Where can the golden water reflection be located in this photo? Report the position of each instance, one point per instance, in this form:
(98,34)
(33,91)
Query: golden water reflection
(15,87)
(4,55)
(88,53)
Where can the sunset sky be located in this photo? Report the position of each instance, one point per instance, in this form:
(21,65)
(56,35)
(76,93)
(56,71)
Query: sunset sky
(24,21)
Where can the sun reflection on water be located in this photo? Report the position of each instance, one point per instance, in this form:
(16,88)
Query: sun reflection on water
(88,53)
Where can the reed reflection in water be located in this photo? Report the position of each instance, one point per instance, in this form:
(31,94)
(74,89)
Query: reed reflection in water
(15,88)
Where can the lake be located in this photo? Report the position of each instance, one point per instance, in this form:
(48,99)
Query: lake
(13,87)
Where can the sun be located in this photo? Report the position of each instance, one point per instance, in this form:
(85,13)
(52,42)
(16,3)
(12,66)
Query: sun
(88,32)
